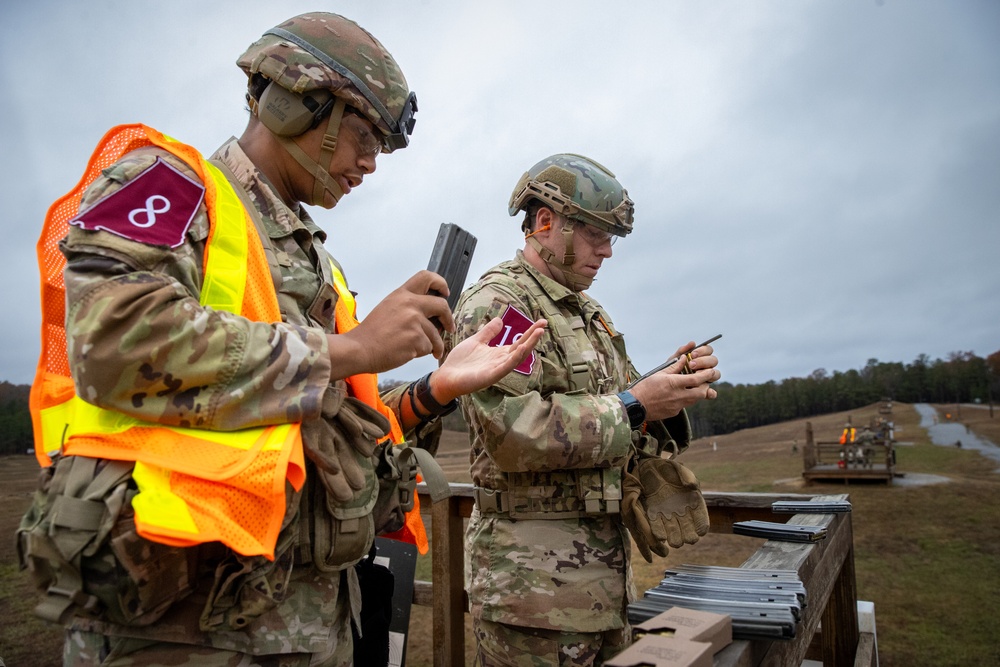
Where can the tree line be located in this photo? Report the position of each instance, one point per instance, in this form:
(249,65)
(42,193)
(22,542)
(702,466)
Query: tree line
(961,378)
(15,419)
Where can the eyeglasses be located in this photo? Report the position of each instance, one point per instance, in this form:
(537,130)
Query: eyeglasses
(364,139)
(592,235)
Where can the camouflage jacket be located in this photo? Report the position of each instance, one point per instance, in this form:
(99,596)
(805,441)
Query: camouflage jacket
(129,303)
(565,574)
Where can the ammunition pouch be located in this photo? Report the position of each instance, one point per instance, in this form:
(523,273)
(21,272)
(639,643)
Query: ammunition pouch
(244,587)
(392,502)
(343,532)
(79,542)
(397,474)
(564,494)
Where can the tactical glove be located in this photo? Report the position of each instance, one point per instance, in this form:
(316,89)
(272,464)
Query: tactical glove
(346,427)
(362,425)
(662,505)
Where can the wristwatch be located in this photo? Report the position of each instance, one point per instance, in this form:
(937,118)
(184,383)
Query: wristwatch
(634,409)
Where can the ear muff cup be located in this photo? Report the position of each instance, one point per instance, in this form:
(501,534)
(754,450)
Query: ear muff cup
(289,114)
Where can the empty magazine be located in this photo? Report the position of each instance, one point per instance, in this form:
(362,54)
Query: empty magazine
(785,532)
(810,506)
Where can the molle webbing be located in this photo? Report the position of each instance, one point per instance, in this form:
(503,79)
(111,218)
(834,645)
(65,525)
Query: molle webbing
(76,506)
(554,495)
(569,331)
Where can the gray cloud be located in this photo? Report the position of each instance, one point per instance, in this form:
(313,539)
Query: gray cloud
(816,181)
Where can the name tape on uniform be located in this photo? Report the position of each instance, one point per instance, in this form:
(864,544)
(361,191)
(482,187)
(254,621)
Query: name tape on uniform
(156,207)
(515,323)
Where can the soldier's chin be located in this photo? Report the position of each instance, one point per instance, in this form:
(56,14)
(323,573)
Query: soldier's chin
(329,200)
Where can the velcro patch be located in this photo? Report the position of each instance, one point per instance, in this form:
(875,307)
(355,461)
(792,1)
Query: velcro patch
(515,323)
(156,207)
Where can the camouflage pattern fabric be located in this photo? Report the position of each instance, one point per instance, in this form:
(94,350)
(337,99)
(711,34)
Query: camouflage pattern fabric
(85,649)
(500,645)
(570,575)
(130,302)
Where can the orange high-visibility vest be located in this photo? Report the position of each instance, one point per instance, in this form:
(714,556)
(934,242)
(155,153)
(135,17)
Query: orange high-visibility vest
(847,436)
(191,481)
(365,388)
(194,485)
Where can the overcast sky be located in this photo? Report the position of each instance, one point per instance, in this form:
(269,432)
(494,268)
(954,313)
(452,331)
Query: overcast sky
(819,181)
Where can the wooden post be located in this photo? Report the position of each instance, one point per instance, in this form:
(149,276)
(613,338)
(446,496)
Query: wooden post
(840,618)
(809,451)
(449,583)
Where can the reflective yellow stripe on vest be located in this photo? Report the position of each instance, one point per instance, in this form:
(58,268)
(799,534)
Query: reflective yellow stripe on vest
(365,385)
(225,264)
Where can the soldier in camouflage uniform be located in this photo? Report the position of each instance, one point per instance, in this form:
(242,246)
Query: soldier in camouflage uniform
(548,557)
(140,343)
(866,447)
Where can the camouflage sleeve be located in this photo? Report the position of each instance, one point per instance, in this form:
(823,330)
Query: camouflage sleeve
(426,434)
(671,434)
(531,421)
(140,343)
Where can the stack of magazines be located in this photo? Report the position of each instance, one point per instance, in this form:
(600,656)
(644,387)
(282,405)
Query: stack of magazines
(763,604)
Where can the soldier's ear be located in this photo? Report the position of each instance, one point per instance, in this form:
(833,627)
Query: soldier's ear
(545,219)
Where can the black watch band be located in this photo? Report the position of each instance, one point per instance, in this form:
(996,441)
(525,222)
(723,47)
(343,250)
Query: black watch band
(634,409)
(426,398)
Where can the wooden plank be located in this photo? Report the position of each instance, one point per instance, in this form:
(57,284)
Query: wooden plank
(825,567)
(867,654)
(423,593)
(725,509)
(819,566)
(840,616)
(449,584)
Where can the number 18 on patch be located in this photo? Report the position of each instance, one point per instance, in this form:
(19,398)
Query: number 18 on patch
(515,323)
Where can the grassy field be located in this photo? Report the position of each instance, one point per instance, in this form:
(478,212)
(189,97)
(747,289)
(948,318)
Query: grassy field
(927,555)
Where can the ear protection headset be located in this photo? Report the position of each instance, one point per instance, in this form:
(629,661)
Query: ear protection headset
(289,114)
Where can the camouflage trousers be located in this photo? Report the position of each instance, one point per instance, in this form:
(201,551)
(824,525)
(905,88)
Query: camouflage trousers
(91,649)
(501,645)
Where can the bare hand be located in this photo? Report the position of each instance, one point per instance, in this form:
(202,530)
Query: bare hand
(473,365)
(680,385)
(397,330)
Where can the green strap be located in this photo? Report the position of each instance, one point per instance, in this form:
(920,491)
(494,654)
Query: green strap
(409,458)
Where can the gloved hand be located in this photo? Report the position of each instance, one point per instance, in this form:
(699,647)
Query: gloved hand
(345,426)
(662,505)
(362,425)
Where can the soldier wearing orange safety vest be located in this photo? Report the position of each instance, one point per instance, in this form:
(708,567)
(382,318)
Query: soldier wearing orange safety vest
(206,405)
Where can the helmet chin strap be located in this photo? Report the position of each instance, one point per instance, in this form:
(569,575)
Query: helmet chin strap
(562,268)
(320,170)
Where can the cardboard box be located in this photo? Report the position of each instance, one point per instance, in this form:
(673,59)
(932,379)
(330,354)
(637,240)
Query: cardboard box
(661,651)
(700,626)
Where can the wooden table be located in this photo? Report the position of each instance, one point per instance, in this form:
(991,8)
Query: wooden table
(826,568)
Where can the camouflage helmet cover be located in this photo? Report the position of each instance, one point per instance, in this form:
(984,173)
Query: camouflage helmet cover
(579,188)
(328,51)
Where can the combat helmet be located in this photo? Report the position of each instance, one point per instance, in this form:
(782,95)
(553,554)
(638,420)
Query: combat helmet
(320,64)
(580,189)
